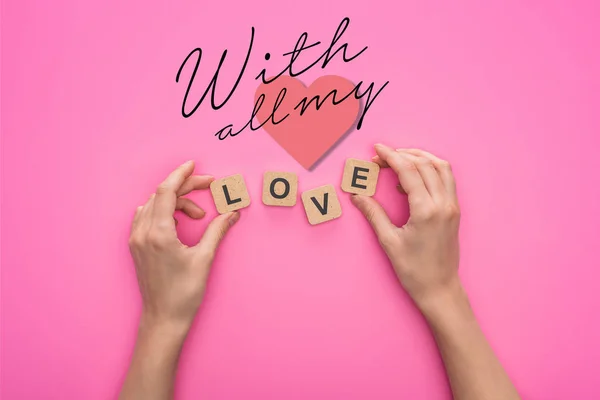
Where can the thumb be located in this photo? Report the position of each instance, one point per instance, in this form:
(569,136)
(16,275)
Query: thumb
(374,213)
(216,230)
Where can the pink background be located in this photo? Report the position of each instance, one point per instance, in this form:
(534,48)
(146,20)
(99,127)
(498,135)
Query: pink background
(91,123)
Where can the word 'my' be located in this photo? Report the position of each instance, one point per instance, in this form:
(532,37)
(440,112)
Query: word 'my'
(190,106)
(280,189)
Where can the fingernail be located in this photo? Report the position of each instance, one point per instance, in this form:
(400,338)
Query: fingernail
(374,157)
(354,198)
(188,162)
(233,218)
(379,148)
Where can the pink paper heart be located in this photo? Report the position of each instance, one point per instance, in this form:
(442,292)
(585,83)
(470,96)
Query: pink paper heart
(308,135)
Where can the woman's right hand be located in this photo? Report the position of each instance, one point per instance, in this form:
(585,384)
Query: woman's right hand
(424,252)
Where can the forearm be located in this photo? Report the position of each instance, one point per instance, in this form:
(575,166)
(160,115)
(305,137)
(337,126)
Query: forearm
(151,374)
(474,371)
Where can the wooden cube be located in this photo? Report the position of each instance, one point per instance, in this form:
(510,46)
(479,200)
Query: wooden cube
(230,193)
(321,204)
(360,177)
(280,189)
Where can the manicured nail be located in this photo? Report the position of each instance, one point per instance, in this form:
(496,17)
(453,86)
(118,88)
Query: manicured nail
(233,218)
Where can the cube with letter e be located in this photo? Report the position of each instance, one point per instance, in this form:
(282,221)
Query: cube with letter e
(360,177)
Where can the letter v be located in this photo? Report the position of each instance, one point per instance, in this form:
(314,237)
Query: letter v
(322,209)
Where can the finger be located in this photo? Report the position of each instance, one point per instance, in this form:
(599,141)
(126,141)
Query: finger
(443,167)
(407,171)
(216,231)
(145,217)
(166,194)
(195,182)
(377,160)
(189,208)
(375,214)
(380,162)
(136,217)
(429,173)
